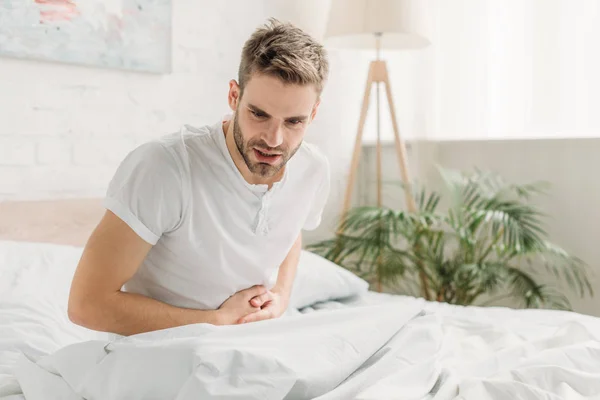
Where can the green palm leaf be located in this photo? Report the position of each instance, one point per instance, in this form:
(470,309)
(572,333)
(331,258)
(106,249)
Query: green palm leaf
(534,295)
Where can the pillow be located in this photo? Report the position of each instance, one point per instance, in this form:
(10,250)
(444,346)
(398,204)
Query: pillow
(318,280)
(36,269)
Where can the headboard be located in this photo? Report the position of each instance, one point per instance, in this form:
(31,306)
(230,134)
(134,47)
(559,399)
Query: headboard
(68,221)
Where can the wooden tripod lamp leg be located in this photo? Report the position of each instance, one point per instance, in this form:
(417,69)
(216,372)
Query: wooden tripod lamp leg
(400,149)
(357,146)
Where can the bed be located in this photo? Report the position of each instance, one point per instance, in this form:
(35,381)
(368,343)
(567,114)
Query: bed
(338,341)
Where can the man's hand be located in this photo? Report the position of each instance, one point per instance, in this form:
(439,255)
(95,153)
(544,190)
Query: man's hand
(272,305)
(242,303)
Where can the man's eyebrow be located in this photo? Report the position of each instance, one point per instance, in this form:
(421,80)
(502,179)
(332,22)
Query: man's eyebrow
(299,117)
(258,110)
(266,114)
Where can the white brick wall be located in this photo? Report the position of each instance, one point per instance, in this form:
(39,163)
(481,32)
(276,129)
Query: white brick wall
(15,150)
(64,128)
(55,150)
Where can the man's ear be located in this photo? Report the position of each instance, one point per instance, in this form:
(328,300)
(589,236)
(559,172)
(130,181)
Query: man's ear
(233,97)
(314,110)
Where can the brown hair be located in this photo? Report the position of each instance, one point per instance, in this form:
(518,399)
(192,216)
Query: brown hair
(284,51)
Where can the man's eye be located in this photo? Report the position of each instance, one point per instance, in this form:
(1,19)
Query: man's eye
(295,121)
(258,114)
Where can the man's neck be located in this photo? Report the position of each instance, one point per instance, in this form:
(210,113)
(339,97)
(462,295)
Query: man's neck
(239,162)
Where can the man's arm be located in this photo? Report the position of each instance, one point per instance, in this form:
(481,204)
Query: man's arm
(111,257)
(287,271)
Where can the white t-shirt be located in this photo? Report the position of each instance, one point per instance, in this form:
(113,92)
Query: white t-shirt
(213,233)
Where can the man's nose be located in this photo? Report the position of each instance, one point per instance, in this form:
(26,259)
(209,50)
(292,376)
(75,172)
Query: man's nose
(274,135)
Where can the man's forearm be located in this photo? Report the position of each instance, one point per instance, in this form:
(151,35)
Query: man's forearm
(287,269)
(129,313)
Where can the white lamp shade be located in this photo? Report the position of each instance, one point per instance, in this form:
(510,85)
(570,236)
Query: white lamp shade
(354,23)
(308,15)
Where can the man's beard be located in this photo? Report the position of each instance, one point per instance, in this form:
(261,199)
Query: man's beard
(247,149)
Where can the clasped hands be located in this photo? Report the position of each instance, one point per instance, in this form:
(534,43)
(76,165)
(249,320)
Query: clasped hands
(253,304)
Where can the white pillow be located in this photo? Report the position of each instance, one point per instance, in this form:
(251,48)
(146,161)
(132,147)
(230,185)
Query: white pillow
(318,279)
(36,268)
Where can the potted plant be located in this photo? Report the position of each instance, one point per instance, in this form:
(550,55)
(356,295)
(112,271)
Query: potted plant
(489,240)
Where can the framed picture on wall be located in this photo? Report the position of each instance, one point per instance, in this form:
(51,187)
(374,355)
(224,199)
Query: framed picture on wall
(124,34)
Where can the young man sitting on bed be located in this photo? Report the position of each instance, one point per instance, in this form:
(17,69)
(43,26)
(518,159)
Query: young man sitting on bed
(204,226)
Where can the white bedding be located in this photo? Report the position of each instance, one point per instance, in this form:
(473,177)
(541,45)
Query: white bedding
(34,286)
(494,353)
(370,347)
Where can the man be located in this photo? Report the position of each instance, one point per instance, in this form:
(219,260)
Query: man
(204,226)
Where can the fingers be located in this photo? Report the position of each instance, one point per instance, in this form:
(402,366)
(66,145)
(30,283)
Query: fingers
(260,315)
(259,300)
(254,291)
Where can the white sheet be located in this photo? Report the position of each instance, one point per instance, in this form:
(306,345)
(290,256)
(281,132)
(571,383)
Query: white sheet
(491,353)
(372,352)
(388,347)
(298,357)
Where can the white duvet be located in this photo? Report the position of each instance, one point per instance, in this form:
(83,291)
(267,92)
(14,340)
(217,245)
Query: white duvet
(371,347)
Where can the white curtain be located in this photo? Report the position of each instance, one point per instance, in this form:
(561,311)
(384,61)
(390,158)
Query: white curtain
(500,69)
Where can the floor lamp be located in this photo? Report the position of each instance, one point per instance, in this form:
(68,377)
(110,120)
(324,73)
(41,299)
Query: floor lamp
(376,24)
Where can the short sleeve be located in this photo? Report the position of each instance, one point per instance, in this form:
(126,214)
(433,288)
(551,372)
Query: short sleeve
(316,210)
(146,191)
